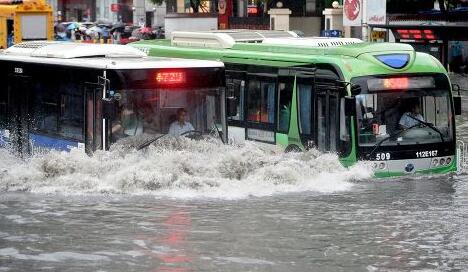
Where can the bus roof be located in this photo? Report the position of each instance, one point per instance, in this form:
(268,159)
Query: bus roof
(355,59)
(99,56)
(225,38)
(312,41)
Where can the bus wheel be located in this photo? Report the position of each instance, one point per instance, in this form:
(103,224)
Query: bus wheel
(292,148)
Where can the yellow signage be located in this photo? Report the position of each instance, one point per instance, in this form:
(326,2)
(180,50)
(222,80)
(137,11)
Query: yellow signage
(378,35)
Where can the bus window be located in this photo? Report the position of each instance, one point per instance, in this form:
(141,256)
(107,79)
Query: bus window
(383,114)
(321,122)
(345,130)
(332,122)
(305,108)
(3,108)
(71,112)
(284,103)
(435,110)
(146,112)
(45,112)
(58,110)
(327,121)
(261,101)
(237,94)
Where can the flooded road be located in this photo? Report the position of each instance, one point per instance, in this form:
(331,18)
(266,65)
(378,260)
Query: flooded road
(384,226)
(226,209)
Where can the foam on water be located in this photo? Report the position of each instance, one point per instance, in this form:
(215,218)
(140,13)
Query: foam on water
(52,257)
(180,168)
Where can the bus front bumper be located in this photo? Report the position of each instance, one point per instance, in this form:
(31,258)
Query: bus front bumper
(395,168)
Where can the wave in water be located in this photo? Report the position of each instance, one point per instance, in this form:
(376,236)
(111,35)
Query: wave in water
(180,168)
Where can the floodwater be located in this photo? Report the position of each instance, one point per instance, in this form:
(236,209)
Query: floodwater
(184,205)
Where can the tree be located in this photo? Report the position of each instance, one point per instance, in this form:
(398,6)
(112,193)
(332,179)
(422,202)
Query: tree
(414,6)
(447,5)
(156,2)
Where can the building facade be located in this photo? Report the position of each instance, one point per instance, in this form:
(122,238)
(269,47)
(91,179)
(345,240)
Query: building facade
(126,11)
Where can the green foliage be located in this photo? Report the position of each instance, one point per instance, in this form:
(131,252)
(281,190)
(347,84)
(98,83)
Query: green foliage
(194,4)
(413,6)
(156,2)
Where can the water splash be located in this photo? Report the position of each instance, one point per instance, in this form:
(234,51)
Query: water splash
(180,168)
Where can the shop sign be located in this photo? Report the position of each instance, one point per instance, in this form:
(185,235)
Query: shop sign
(352,10)
(376,12)
(378,35)
(115,7)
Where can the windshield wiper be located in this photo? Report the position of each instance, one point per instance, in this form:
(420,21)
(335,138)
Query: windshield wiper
(219,132)
(429,125)
(379,143)
(146,144)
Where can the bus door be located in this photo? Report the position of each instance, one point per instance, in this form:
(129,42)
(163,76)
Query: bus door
(235,105)
(18,89)
(300,133)
(327,107)
(95,137)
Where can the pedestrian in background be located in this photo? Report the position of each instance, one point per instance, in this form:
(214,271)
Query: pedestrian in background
(457,57)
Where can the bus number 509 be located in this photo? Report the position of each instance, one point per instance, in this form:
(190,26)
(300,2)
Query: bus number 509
(382,156)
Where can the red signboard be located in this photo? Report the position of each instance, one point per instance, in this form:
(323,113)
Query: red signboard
(115,7)
(416,34)
(251,10)
(225,11)
(352,9)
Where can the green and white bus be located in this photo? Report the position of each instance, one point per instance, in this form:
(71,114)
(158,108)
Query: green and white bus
(377,102)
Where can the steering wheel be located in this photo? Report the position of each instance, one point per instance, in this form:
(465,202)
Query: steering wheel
(193,134)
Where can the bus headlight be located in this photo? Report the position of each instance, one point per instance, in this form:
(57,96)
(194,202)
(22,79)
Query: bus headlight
(382,166)
(442,161)
(435,162)
(448,160)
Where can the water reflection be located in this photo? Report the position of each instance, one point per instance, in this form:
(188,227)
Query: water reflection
(166,244)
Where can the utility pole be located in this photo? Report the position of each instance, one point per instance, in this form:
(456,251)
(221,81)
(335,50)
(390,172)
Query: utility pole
(365,29)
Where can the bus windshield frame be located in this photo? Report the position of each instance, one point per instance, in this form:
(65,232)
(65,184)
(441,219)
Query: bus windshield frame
(150,101)
(398,118)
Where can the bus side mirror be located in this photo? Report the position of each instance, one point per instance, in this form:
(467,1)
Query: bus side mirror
(109,108)
(350,105)
(457,105)
(231,106)
(355,90)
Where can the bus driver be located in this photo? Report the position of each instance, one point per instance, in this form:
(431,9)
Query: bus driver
(180,126)
(410,119)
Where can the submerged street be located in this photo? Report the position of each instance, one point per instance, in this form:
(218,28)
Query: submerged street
(387,226)
(233,135)
(194,206)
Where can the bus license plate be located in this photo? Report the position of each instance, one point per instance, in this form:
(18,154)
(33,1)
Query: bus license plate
(426,154)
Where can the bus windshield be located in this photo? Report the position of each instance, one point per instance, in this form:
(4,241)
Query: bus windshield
(178,112)
(404,117)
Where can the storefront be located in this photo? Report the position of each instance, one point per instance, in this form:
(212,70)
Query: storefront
(76,10)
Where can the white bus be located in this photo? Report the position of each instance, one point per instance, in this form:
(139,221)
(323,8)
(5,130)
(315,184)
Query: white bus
(69,95)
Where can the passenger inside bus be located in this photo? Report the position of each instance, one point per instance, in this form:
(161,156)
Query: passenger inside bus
(129,121)
(130,124)
(151,124)
(181,125)
(148,113)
